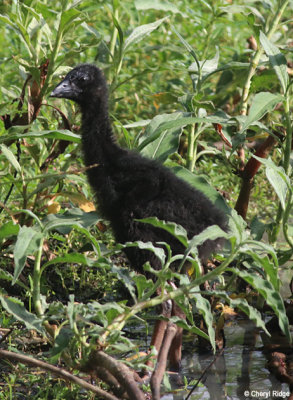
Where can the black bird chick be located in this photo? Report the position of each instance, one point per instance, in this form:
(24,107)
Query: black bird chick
(128,186)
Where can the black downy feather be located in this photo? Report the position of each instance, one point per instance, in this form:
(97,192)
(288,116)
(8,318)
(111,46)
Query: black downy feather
(128,186)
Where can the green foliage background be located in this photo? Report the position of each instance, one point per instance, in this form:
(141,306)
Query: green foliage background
(175,73)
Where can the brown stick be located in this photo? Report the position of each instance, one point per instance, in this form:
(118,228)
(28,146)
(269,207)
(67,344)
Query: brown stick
(248,173)
(120,371)
(160,368)
(104,375)
(60,372)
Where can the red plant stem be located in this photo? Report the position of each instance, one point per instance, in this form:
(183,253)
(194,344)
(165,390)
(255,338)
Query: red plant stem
(248,173)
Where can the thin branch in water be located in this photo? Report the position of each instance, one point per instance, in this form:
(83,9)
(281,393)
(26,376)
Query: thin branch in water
(203,374)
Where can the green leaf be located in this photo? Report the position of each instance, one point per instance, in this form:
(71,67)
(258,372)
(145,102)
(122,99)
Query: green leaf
(17,133)
(158,251)
(262,103)
(242,304)
(28,241)
(210,233)
(219,118)
(61,343)
(8,229)
(269,268)
(277,178)
(200,183)
(207,67)
(156,5)
(124,275)
(142,284)
(189,328)
(278,184)
(6,276)
(277,60)
(63,223)
(68,17)
(204,307)
(166,143)
(71,258)
(10,157)
(185,44)
(237,227)
(271,296)
(242,9)
(176,230)
(257,228)
(141,32)
(17,309)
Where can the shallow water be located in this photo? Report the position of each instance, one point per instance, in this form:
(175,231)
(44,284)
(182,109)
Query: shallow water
(240,373)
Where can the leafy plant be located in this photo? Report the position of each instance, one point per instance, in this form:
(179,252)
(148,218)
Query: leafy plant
(185,90)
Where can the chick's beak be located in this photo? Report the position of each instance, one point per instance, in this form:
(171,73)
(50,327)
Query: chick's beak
(63,90)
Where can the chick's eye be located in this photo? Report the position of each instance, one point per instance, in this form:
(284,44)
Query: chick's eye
(82,78)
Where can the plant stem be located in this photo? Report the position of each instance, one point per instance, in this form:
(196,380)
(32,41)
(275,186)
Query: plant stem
(286,165)
(255,59)
(37,280)
(285,220)
(53,57)
(191,149)
(121,320)
(114,36)
(287,152)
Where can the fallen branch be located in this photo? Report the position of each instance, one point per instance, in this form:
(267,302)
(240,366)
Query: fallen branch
(120,371)
(62,373)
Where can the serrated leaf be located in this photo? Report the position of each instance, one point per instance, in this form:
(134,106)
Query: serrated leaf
(17,309)
(262,103)
(277,60)
(28,241)
(141,32)
(10,157)
(243,9)
(124,275)
(271,296)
